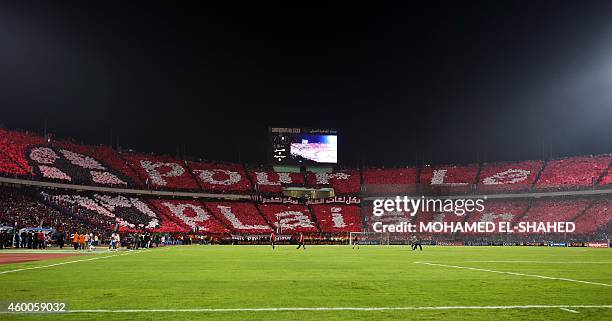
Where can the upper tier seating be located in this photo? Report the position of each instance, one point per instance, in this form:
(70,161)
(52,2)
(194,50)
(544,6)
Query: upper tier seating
(573,172)
(338,218)
(343,182)
(442,179)
(268,181)
(607,178)
(73,164)
(289,218)
(29,155)
(8,166)
(239,217)
(506,177)
(106,156)
(389,181)
(217,177)
(14,145)
(162,172)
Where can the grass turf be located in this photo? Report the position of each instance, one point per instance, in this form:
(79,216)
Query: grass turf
(321,276)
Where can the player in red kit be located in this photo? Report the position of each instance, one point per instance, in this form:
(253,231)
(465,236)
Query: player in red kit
(301,242)
(272,239)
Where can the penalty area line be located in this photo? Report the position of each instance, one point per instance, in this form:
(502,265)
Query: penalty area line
(513,273)
(503,307)
(569,310)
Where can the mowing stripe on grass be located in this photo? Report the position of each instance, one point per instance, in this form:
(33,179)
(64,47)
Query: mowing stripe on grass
(499,307)
(63,263)
(513,273)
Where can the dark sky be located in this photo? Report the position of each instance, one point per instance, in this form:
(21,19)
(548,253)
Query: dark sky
(438,81)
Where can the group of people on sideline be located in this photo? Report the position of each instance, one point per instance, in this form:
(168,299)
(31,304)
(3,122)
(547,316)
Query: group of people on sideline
(26,240)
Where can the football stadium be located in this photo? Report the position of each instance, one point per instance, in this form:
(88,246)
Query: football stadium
(448,161)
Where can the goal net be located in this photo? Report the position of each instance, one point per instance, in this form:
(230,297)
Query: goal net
(369,238)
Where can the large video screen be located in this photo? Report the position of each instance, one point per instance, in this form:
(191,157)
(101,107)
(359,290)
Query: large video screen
(295,146)
(316,148)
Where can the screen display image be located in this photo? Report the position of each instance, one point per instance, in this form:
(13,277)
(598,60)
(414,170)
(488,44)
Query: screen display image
(315,148)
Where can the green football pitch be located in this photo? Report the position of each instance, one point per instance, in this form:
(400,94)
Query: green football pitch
(320,283)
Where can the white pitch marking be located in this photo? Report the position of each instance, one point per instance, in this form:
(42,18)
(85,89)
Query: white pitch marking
(569,310)
(540,262)
(62,263)
(503,307)
(514,273)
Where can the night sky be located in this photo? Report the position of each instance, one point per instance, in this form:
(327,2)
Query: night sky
(439,82)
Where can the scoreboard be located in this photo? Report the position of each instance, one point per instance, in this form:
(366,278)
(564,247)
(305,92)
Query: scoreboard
(308,146)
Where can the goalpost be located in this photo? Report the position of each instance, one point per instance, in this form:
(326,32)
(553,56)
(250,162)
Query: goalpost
(370,238)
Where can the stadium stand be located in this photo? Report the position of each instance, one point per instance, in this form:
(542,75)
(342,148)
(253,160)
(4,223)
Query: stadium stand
(391,217)
(32,156)
(27,155)
(9,167)
(389,181)
(218,177)
(607,178)
(338,218)
(289,218)
(448,178)
(160,172)
(508,177)
(596,217)
(554,210)
(190,216)
(432,217)
(107,156)
(239,217)
(269,181)
(14,145)
(572,173)
(22,208)
(343,182)
(106,211)
(59,164)
(499,211)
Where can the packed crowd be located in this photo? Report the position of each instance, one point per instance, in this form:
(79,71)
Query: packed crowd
(31,156)
(85,221)
(97,213)
(590,215)
(22,208)
(92,215)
